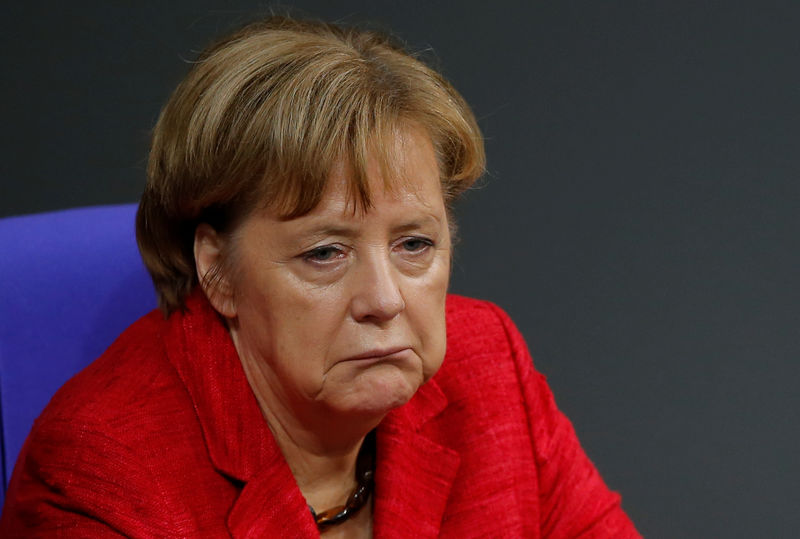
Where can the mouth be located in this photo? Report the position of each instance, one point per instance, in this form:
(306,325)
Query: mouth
(381,354)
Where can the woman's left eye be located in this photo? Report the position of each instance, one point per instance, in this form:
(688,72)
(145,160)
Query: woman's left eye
(415,245)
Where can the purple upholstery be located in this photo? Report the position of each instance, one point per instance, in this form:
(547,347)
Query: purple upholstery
(70,282)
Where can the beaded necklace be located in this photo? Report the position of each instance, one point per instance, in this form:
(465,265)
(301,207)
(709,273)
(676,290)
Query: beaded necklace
(365,480)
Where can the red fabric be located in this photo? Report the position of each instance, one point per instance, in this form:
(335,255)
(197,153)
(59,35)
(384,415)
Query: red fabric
(162,437)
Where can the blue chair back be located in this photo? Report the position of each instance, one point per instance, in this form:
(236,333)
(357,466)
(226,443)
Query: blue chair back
(70,282)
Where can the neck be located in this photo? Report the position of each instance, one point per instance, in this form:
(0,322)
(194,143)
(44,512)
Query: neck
(320,446)
(326,478)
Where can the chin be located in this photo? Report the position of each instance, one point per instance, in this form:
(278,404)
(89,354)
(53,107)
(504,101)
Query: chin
(377,392)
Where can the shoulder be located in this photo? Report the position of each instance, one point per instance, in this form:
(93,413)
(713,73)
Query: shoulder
(121,384)
(486,354)
(99,440)
(475,326)
(124,400)
(115,417)
(501,411)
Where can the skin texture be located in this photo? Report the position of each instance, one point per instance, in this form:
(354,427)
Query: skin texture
(338,315)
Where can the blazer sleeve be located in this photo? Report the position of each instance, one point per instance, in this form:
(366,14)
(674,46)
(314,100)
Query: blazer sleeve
(72,480)
(573,499)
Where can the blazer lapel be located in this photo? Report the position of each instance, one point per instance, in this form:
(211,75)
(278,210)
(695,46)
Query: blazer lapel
(271,505)
(239,442)
(414,472)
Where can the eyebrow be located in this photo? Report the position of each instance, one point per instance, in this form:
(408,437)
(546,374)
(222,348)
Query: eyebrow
(330,230)
(417,223)
(327,229)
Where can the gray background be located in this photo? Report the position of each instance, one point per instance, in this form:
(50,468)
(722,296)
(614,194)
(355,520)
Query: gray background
(638,220)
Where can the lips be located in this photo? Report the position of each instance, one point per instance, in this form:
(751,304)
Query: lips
(378,354)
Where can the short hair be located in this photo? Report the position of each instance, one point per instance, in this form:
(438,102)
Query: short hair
(265,114)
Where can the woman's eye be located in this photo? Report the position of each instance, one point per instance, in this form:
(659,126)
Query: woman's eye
(414,245)
(325,253)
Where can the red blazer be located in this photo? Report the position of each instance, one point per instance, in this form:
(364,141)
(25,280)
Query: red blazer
(162,437)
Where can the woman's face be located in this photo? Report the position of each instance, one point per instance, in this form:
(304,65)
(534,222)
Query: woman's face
(341,310)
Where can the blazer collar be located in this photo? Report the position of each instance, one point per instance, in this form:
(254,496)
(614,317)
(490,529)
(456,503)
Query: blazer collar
(239,442)
(200,348)
(414,472)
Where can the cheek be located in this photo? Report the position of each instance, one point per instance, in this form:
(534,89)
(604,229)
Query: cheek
(429,315)
(436,338)
(306,315)
(287,317)
(291,332)
(308,323)
(307,330)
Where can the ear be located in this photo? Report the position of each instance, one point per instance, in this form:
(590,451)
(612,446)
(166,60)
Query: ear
(208,258)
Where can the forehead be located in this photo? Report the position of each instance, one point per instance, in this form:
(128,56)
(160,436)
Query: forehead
(401,169)
(418,201)
(409,197)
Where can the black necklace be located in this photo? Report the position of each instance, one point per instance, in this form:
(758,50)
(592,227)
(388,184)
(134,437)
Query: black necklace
(365,479)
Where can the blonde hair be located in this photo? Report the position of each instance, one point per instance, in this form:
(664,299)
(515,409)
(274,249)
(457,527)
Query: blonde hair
(265,114)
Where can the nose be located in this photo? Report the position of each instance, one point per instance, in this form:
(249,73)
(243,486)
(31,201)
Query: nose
(376,290)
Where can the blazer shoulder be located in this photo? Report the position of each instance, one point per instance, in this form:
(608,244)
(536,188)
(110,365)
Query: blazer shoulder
(480,332)
(471,311)
(118,387)
(470,319)
(93,460)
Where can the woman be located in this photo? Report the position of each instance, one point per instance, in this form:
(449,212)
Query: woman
(307,372)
